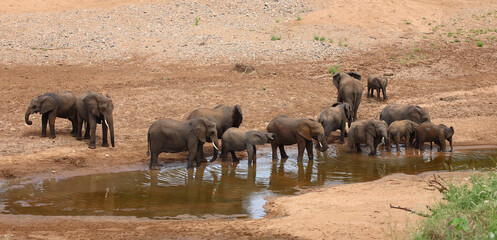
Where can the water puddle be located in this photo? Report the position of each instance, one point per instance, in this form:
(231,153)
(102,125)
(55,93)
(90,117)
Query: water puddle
(220,190)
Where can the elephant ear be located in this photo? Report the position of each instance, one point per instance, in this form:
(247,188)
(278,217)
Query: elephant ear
(411,126)
(237,116)
(198,129)
(255,138)
(355,75)
(449,132)
(371,129)
(347,109)
(47,104)
(336,104)
(92,104)
(336,79)
(304,130)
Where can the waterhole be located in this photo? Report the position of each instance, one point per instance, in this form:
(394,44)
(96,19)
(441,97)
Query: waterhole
(220,190)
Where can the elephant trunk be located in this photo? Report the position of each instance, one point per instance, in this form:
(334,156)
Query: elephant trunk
(28,113)
(215,144)
(110,122)
(386,139)
(322,144)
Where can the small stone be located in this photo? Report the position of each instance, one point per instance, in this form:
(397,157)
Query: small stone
(54,172)
(106,155)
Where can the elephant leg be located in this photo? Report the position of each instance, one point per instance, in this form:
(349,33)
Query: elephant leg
(431,145)
(308,148)
(254,157)
(192,153)
(93,128)
(214,155)
(105,143)
(384,91)
(408,139)
(282,151)
(250,153)
(87,130)
(378,93)
(224,151)
(235,158)
(442,144)
(367,93)
(371,144)
(154,163)
(74,122)
(301,145)
(198,157)
(274,148)
(44,121)
(397,142)
(201,152)
(80,128)
(358,147)
(51,122)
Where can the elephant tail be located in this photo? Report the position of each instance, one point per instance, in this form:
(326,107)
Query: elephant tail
(148,146)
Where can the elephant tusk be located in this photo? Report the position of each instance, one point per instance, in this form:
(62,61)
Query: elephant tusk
(105,120)
(215,146)
(320,145)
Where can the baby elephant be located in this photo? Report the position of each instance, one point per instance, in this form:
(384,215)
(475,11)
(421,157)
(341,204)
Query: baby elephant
(378,82)
(370,132)
(402,129)
(429,132)
(235,139)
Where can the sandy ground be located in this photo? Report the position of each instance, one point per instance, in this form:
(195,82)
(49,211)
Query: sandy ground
(451,77)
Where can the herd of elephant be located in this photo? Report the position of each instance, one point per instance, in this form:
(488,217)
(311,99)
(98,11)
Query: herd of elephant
(396,122)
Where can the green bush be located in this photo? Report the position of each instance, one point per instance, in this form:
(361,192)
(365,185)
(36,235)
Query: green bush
(468,211)
(334,69)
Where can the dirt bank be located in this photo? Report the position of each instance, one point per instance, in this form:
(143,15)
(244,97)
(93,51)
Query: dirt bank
(161,59)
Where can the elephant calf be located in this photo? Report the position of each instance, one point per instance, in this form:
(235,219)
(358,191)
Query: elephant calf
(377,82)
(50,106)
(370,132)
(300,131)
(95,108)
(235,139)
(402,129)
(335,117)
(429,132)
(172,136)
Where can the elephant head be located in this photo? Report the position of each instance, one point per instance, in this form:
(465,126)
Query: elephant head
(417,112)
(347,109)
(41,104)
(259,138)
(411,126)
(204,129)
(310,129)
(448,133)
(378,129)
(339,76)
(101,108)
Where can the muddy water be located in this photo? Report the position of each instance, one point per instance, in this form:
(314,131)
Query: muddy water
(220,190)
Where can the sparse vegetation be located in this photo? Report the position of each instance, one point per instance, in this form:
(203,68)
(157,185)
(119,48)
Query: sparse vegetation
(275,37)
(277,21)
(322,39)
(299,18)
(316,37)
(334,69)
(479,43)
(468,211)
(197,20)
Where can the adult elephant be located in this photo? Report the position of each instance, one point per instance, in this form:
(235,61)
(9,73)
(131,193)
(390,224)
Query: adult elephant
(429,132)
(349,90)
(223,116)
(95,108)
(172,136)
(51,105)
(394,112)
(235,139)
(335,117)
(377,82)
(370,132)
(300,131)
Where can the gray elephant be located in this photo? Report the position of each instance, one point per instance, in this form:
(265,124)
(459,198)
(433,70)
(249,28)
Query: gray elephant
(402,129)
(429,132)
(377,82)
(223,116)
(52,105)
(394,112)
(172,136)
(235,139)
(95,108)
(335,117)
(349,90)
(370,132)
(291,131)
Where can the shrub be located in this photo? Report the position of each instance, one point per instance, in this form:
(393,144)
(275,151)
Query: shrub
(334,69)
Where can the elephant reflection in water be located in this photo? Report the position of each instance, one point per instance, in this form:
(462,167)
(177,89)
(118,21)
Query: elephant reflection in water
(289,180)
(230,185)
